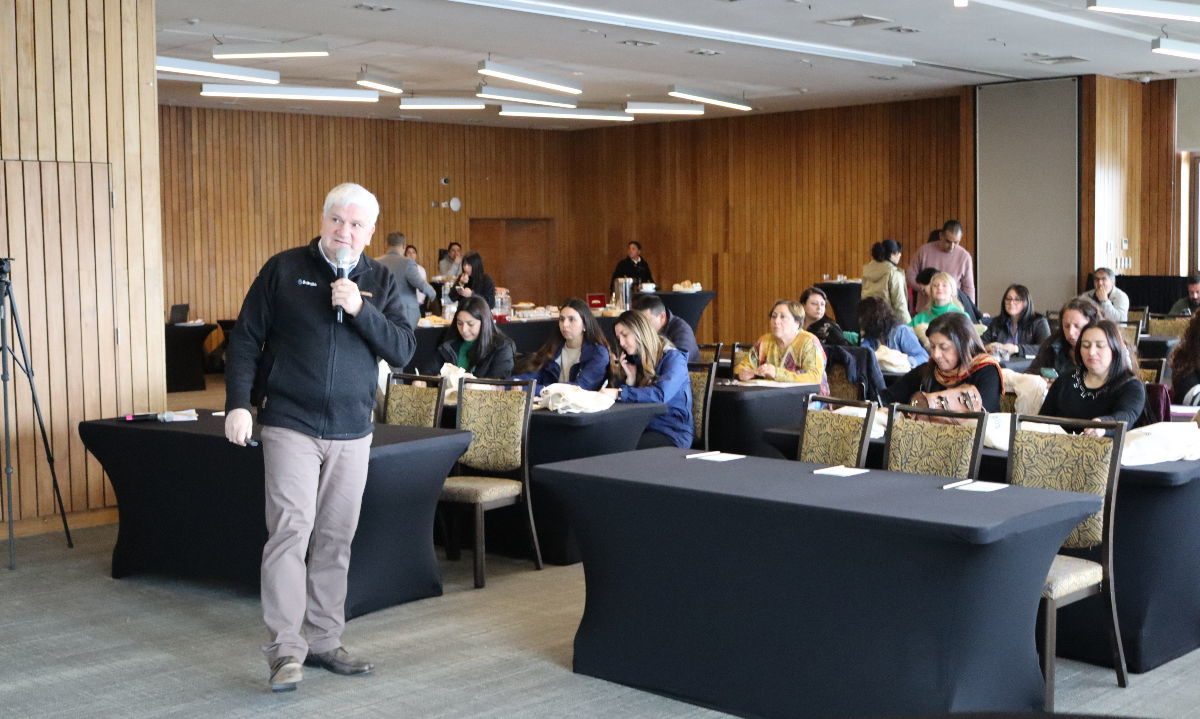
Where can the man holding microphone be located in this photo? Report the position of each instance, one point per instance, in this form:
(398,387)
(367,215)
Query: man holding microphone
(304,351)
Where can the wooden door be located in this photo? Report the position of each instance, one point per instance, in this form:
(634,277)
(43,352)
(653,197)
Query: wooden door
(519,254)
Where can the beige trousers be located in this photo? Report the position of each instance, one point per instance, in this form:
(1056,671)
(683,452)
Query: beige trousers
(314,491)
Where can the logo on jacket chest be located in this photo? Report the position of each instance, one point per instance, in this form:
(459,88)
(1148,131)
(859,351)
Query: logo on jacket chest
(306,283)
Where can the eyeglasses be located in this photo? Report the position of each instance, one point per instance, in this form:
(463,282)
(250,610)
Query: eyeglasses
(1013,299)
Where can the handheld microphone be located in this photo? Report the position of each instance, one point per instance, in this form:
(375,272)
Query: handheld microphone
(150,417)
(343,262)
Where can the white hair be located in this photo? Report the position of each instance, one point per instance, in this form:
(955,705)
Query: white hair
(349,193)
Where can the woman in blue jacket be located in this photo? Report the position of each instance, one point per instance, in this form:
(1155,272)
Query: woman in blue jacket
(576,354)
(879,325)
(650,369)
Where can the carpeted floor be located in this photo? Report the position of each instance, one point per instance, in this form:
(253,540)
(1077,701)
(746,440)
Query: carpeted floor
(77,643)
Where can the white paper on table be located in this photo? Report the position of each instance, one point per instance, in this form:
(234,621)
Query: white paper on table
(720,457)
(840,470)
(980,486)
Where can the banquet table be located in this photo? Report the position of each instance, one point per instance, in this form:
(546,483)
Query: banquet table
(1157,540)
(741,413)
(556,437)
(1156,346)
(844,297)
(185,356)
(191,504)
(688,306)
(760,589)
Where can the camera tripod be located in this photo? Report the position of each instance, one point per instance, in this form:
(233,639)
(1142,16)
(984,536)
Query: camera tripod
(8,303)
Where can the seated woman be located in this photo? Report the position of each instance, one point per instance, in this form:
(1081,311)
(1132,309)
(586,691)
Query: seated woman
(1056,356)
(650,369)
(878,325)
(1017,329)
(956,357)
(943,298)
(787,353)
(577,354)
(1185,362)
(473,343)
(1102,386)
(815,301)
(474,282)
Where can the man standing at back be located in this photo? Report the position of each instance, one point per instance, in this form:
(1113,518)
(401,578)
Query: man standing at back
(945,255)
(408,277)
(634,265)
(305,348)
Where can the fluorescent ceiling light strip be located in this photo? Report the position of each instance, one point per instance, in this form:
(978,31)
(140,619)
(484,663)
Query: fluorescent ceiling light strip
(375,82)
(440,103)
(685,93)
(508,72)
(266,49)
(524,96)
(560,114)
(1187,12)
(663,108)
(1175,48)
(212,69)
(1076,19)
(290,92)
(640,22)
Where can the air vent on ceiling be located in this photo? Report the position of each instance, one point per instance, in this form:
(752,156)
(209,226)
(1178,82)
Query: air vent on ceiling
(373,8)
(883,78)
(1142,75)
(1041,59)
(856,21)
(704,52)
(638,43)
(901,30)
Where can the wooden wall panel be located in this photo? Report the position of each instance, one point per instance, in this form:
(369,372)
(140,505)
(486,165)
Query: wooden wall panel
(1129,182)
(760,207)
(79,214)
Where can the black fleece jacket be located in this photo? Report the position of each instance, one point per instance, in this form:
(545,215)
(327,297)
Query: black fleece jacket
(305,371)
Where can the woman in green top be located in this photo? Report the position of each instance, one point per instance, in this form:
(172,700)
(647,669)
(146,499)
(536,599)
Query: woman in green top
(943,296)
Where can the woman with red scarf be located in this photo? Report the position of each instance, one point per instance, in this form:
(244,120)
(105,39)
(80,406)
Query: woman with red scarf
(956,357)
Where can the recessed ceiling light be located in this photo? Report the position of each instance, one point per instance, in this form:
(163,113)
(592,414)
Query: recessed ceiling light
(1056,60)
(884,78)
(856,21)
(901,30)
(638,43)
(703,52)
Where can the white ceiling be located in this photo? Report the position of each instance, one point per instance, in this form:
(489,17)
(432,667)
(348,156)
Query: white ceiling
(433,46)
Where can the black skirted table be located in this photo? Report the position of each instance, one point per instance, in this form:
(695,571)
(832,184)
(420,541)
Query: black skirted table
(1156,346)
(1156,574)
(191,504)
(758,588)
(688,306)
(553,438)
(844,297)
(741,413)
(185,356)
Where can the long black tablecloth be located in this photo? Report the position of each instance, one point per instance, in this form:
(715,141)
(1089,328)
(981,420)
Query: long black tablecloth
(761,589)
(185,356)
(191,504)
(740,415)
(553,438)
(843,299)
(1157,541)
(688,306)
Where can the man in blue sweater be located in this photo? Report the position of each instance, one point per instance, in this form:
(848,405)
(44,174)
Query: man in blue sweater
(304,352)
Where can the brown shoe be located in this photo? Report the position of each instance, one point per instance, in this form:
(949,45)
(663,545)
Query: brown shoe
(339,661)
(285,673)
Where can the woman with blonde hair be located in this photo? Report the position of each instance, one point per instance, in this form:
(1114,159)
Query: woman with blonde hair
(786,353)
(648,368)
(943,298)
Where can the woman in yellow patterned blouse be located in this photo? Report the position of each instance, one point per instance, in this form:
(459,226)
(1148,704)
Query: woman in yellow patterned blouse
(787,353)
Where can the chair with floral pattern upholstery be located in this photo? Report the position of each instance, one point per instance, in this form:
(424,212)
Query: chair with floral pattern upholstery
(827,437)
(711,352)
(1151,370)
(1168,326)
(497,414)
(840,385)
(703,375)
(414,400)
(1074,463)
(933,441)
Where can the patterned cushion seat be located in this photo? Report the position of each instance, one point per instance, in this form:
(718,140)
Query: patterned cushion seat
(1067,462)
(918,447)
(831,438)
(479,490)
(1070,574)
